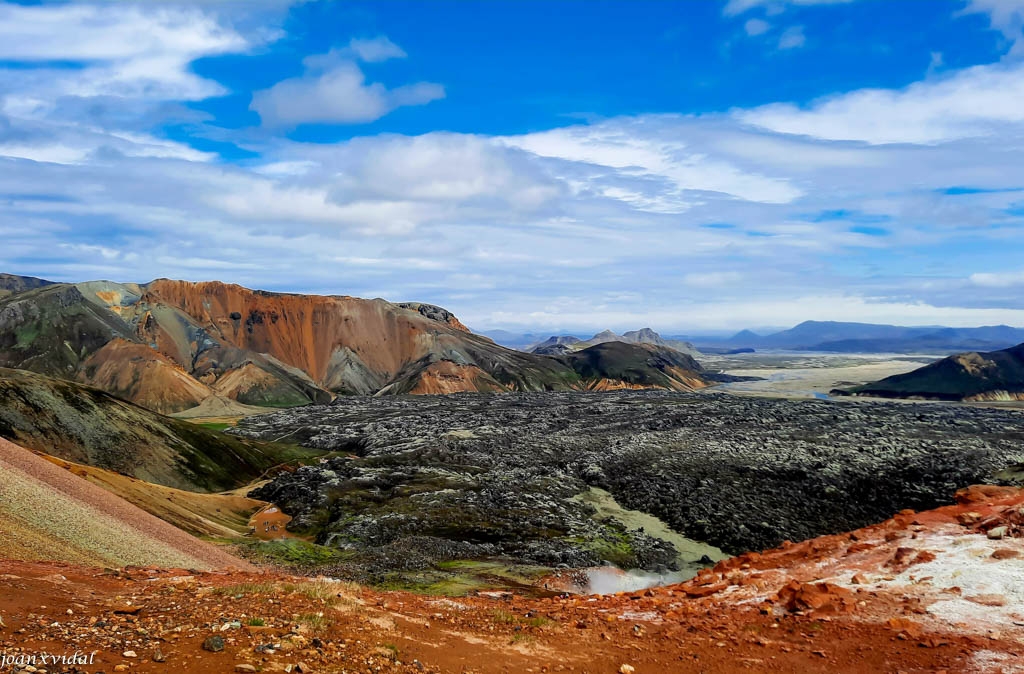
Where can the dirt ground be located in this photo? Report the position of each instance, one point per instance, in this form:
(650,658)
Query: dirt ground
(930,592)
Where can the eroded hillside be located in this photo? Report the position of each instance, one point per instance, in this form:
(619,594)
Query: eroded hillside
(92,427)
(171,345)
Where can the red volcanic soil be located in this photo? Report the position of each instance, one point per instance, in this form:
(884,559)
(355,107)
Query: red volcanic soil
(928,592)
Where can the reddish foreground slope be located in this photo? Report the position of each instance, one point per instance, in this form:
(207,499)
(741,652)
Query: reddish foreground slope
(940,591)
(48,513)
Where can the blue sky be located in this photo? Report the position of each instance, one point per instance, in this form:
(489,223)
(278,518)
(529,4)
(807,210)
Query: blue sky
(691,166)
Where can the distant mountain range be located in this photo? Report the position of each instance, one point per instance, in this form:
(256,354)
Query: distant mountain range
(823,336)
(837,337)
(175,345)
(995,375)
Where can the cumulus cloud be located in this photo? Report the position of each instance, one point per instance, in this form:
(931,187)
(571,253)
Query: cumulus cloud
(334,90)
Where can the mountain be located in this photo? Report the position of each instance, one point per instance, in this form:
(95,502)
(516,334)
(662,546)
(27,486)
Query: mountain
(556,345)
(648,336)
(171,345)
(995,375)
(744,337)
(552,345)
(844,337)
(11,284)
(91,427)
(615,365)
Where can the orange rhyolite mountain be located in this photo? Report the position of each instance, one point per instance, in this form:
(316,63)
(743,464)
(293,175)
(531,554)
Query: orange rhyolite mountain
(169,345)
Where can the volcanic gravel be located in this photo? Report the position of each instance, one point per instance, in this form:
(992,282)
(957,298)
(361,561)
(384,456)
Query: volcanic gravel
(741,473)
(74,519)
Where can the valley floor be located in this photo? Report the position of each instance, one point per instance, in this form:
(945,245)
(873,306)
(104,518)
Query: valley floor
(922,592)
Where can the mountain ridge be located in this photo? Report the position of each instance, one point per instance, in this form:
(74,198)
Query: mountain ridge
(169,345)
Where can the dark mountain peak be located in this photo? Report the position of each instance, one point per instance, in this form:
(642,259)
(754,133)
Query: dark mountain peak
(991,375)
(12,284)
(642,334)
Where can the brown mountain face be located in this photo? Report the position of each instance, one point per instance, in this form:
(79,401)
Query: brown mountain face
(170,345)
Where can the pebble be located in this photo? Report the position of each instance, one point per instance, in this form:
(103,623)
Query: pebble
(627,669)
(997,533)
(213,644)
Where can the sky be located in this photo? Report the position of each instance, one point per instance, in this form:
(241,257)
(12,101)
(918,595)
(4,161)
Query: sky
(565,166)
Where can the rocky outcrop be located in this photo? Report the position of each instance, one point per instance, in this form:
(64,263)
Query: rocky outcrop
(435,313)
(613,364)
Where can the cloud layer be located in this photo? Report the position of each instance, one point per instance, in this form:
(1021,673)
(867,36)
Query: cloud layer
(901,206)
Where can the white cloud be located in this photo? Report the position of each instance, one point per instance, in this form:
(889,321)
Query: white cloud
(756,27)
(631,151)
(55,153)
(1006,16)
(976,101)
(737,7)
(109,33)
(998,279)
(441,167)
(764,216)
(133,51)
(334,90)
(376,49)
(792,38)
